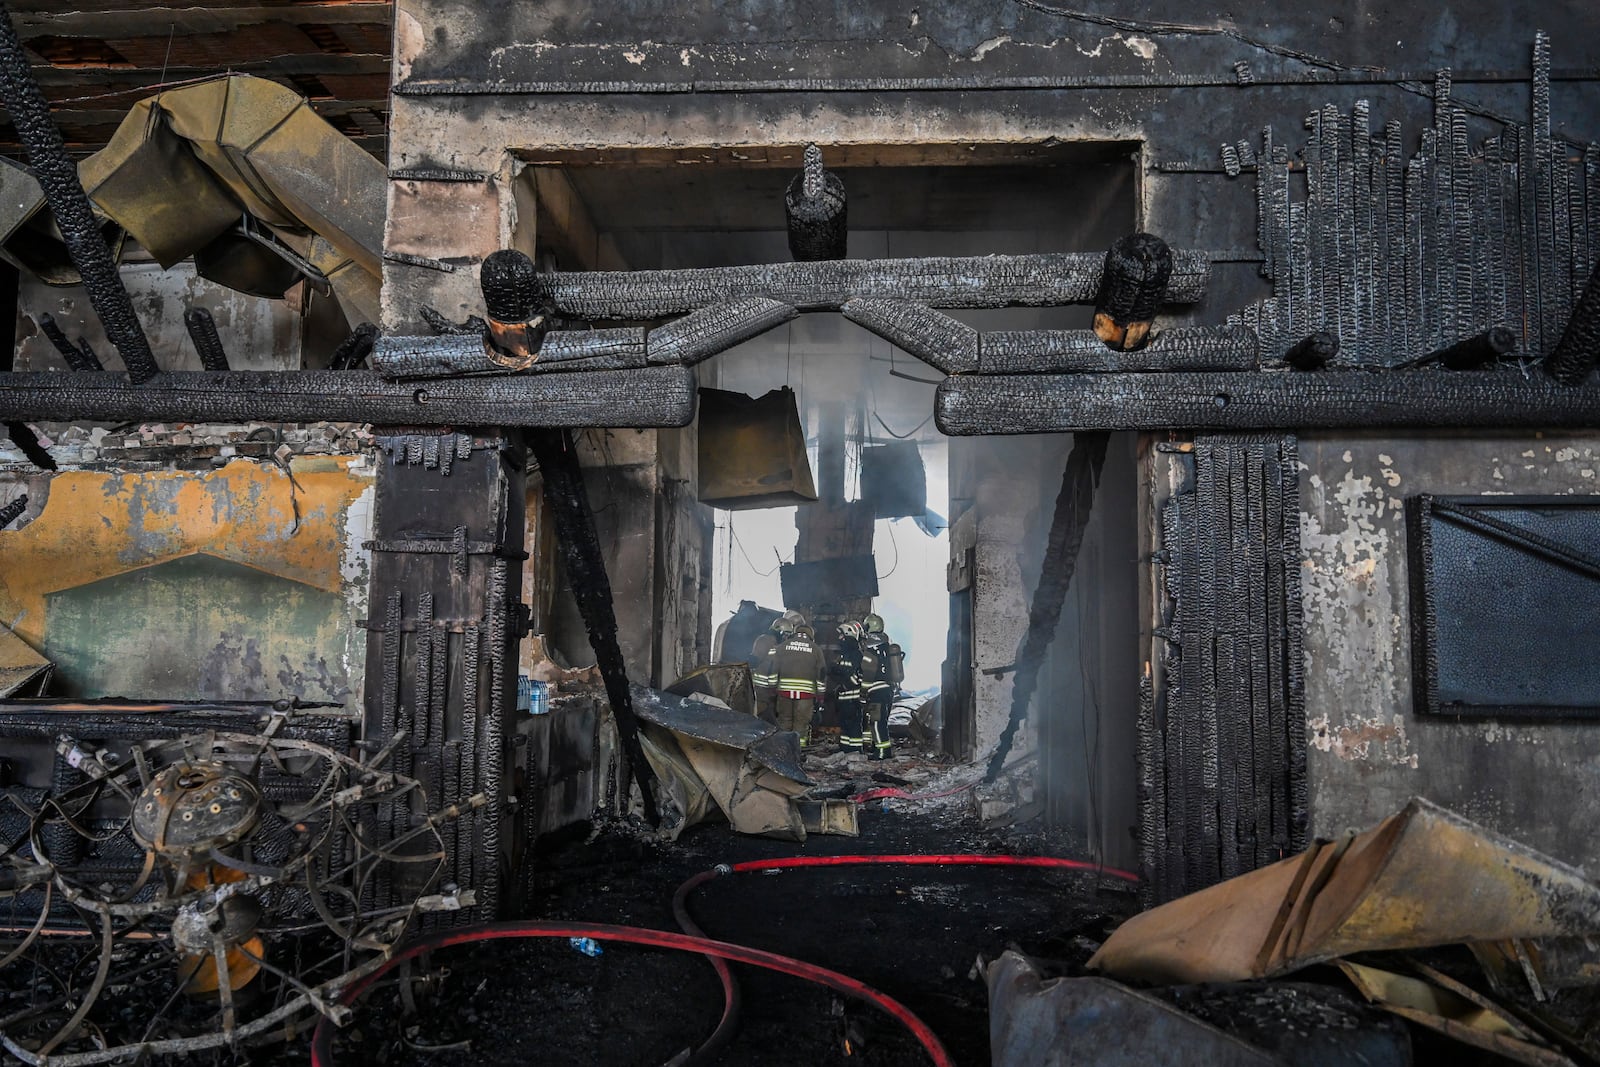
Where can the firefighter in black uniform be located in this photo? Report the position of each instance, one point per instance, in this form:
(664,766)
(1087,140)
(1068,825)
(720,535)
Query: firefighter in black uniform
(882,671)
(846,672)
(764,671)
(799,665)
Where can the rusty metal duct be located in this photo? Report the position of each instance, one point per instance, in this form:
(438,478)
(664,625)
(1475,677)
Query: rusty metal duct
(753,451)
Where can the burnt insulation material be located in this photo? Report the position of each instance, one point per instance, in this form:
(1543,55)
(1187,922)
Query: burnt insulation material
(58,178)
(203,332)
(1315,352)
(1137,268)
(79,356)
(1575,354)
(815,208)
(354,349)
(1067,528)
(568,501)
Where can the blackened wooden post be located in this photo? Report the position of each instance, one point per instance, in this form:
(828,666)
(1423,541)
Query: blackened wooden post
(443,625)
(1132,286)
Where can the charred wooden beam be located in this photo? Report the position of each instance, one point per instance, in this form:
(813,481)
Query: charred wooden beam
(1473,353)
(465,355)
(647,396)
(717,328)
(1314,352)
(815,208)
(517,318)
(1045,280)
(80,232)
(203,332)
(1574,357)
(80,356)
(1004,404)
(568,501)
(1133,286)
(13,510)
(354,348)
(1082,351)
(27,443)
(943,343)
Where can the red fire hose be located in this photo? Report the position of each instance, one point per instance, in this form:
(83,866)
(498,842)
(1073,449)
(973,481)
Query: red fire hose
(718,952)
(322,1039)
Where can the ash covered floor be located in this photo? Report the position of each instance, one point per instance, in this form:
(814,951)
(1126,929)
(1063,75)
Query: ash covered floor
(913,933)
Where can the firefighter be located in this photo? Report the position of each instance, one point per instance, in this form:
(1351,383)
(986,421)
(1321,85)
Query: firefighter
(799,667)
(882,671)
(764,669)
(846,670)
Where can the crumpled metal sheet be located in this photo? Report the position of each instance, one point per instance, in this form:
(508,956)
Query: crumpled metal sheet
(1422,877)
(185,165)
(750,769)
(730,683)
(1095,1022)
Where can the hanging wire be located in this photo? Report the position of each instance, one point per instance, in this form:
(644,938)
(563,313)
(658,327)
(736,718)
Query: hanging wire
(902,436)
(734,535)
(896,546)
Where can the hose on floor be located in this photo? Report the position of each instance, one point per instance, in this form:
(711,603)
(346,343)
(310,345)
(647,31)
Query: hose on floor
(322,1038)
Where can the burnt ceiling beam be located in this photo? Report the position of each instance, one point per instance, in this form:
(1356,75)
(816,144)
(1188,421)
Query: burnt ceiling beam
(1394,399)
(80,232)
(647,396)
(1082,351)
(1050,279)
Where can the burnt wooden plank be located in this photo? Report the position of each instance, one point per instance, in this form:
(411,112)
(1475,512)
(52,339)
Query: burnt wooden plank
(1038,403)
(1044,280)
(943,343)
(1080,351)
(646,396)
(464,355)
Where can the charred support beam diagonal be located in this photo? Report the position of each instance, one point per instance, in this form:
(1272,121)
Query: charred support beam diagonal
(943,343)
(702,334)
(79,356)
(58,177)
(12,511)
(355,348)
(1067,528)
(647,396)
(568,501)
(975,404)
(203,332)
(1045,280)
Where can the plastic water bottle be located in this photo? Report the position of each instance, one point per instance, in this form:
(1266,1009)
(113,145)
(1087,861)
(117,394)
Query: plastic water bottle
(586,945)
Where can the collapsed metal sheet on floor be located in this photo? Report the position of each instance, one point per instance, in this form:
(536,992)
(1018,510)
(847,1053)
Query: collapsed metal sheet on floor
(1065,1022)
(713,757)
(1422,877)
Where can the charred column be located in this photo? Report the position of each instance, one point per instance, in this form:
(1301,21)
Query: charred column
(517,322)
(1132,286)
(79,356)
(815,208)
(1575,354)
(58,177)
(568,501)
(203,332)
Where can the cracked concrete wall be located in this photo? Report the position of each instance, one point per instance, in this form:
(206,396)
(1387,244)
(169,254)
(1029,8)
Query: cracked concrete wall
(1369,751)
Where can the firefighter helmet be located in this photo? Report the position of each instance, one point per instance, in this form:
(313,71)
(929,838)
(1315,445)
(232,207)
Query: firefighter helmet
(782,626)
(794,619)
(850,629)
(873,623)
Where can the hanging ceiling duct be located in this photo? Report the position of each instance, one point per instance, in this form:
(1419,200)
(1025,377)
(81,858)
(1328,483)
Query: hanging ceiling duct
(238,172)
(753,451)
(894,480)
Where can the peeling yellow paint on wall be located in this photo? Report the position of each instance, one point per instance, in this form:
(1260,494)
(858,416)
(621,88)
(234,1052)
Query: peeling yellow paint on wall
(96,524)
